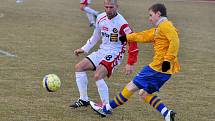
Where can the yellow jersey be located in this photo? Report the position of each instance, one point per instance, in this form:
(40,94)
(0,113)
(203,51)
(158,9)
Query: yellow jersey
(165,42)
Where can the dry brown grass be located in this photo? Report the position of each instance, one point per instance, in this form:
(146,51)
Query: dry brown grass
(44,33)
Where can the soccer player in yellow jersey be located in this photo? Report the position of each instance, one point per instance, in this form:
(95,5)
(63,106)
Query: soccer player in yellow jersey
(152,77)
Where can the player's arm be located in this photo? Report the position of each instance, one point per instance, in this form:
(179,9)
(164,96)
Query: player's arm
(143,37)
(173,38)
(132,50)
(132,53)
(172,51)
(132,57)
(90,42)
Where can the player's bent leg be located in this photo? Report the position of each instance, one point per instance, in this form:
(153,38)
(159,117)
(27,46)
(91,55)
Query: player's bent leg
(103,91)
(82,82)
(100,74)
(120,99)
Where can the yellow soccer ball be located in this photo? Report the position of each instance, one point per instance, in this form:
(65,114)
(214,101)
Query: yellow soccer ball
(51,82)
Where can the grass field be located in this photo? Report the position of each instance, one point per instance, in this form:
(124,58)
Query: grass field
(44,33)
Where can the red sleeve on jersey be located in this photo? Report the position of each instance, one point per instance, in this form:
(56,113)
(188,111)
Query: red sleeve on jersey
(132,46)
(132,53)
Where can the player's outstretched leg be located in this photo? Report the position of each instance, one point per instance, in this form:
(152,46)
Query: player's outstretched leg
(119,99)
(170,116)
(98,109)
(156,103)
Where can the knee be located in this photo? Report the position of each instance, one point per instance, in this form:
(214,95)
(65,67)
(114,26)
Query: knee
(78,68)
(142,94)
(97,76)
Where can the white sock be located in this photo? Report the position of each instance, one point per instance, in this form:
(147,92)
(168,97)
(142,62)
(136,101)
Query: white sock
(108,107)
(90,11)
(103,91)
(90,18)
(82,81)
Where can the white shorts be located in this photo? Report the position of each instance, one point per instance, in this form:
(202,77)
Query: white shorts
(110,59)
(85,2)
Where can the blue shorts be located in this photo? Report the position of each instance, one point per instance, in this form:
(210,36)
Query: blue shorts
(150,80)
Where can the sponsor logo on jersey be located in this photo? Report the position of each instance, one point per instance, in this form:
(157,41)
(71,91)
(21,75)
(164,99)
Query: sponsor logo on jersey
(105,34)
(104,28)
(113,37)
(115,30)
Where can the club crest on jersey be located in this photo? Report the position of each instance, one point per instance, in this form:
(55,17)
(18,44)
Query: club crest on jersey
(115,30)
(113,37)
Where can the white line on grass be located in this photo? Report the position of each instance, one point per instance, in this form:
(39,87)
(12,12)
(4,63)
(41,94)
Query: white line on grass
(7,53)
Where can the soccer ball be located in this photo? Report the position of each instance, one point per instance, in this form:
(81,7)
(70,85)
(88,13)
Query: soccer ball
(51,82)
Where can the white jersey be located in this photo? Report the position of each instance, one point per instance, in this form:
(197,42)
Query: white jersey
(109,30)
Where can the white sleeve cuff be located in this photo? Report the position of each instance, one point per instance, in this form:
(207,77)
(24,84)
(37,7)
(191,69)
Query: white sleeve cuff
(86,48)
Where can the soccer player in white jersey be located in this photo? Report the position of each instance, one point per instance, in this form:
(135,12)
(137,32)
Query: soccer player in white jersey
(110,25)
(91,13)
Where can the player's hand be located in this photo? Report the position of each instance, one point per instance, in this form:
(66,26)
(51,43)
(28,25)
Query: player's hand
(129,69)
(77,52)
(123,39)
(165,66)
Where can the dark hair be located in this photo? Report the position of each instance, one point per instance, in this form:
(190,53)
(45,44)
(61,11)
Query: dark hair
(159,7)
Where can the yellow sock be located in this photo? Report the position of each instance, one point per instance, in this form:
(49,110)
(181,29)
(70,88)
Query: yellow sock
(121,98)
(156,103)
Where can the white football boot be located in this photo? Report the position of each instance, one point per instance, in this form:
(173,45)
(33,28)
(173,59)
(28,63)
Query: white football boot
(170,116)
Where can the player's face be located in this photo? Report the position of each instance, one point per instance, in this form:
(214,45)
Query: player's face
(110,9)
(153,17)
